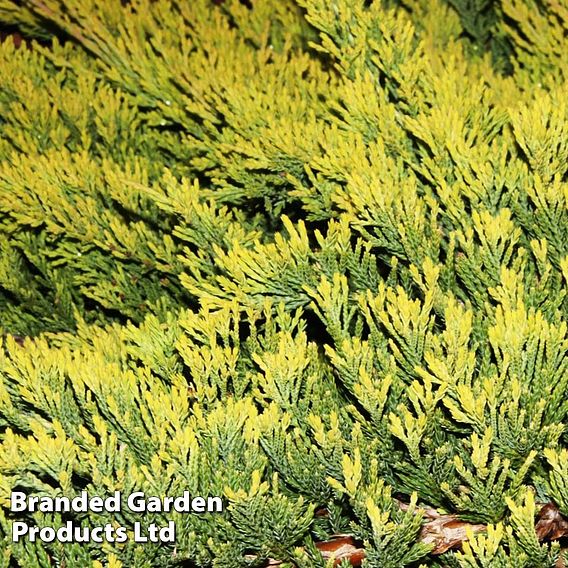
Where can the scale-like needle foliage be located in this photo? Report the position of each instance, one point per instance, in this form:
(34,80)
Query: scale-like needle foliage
(309,256)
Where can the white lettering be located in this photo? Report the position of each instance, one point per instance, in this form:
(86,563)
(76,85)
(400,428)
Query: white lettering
(96,535)
(168,533)
(182,504)
(80,504)
(47,534)
(198,504)
(66,533)
(217,501)
(18,529)
(18,501)
(138,536)
(96,504)
(121,534)
(154,505)
(112,504)
(136,502)
(33,532)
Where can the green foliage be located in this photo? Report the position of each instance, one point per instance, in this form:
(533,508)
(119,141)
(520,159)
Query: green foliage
(516,546)
(310,256)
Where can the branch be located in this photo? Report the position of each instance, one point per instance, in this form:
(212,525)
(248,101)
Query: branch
(444,532)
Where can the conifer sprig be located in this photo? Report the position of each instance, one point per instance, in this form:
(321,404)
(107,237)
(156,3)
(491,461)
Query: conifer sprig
(307,256)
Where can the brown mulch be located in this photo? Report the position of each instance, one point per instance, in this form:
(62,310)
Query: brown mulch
(444,532)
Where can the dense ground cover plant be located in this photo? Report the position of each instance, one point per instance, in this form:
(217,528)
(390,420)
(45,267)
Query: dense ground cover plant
(307,255)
